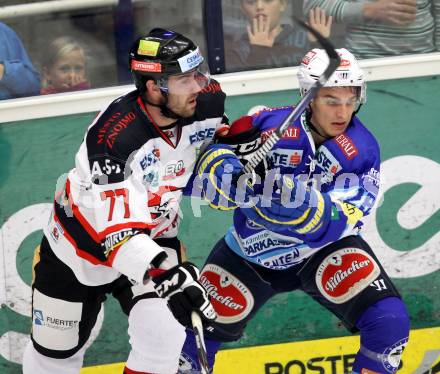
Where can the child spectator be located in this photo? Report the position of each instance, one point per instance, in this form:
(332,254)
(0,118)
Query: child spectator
(64,67)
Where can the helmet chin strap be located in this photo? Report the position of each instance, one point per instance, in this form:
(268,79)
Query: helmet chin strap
(167,112)
(356,111)
(312,126)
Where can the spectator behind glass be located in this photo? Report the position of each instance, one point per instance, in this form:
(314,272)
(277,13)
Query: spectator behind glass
(18,76)
(385,27)
(268,42)
(64,67)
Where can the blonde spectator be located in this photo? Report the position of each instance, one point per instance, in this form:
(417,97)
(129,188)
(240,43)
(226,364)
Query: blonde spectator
(64,67)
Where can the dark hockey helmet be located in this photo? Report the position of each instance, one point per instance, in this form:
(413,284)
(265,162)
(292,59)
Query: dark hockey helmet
(162,53)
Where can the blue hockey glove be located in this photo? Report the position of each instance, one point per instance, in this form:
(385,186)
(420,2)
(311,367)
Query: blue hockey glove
(294,207)
(219,170)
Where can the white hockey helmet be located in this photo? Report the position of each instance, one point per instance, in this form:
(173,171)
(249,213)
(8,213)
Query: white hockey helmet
(348,74)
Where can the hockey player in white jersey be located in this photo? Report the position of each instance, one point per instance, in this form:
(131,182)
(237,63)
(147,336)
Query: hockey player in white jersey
(302,230)
(114,224)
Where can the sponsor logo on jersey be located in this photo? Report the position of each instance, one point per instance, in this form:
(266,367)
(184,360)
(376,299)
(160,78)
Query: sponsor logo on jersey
(55,234)
(347,146)
(57,230)
(345,273)
(285,157)
(231,299)
(372,177)
(116,239)
(327,162)
(262,242)
(283,261)
(152,177)
(290,133)
(118,127)
(174,170)
(104,128)
(105,166)
(392,355)
(159,202)
(113,126)
(201,135)
(263,245)
(150,158)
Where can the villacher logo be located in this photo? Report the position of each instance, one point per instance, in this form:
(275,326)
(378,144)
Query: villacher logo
(345,273)
(231,299)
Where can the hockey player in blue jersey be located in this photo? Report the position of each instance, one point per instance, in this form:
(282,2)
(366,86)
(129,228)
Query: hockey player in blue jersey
(298,227)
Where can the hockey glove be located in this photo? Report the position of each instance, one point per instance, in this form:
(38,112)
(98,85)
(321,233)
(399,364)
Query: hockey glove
(179,286)
(218,170)
(245,140)
(294,207)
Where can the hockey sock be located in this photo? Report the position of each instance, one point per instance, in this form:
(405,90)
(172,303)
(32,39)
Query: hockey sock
(189,362)
(384,328)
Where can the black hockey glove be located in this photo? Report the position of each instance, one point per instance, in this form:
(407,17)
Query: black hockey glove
(179,286)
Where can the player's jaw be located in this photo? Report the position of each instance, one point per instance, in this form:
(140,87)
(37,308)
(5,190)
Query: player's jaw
(333,125)
(336,126)
(183,105)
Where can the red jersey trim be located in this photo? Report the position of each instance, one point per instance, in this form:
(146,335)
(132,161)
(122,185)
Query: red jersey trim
(84,254)
(158,129)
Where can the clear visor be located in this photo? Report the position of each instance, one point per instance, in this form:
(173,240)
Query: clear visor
(188,83)
(333,101)
(353,101)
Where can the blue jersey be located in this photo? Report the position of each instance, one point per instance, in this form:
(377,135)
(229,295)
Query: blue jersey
(345,167)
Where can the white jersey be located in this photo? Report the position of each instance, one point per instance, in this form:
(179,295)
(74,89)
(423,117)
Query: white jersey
(126,188)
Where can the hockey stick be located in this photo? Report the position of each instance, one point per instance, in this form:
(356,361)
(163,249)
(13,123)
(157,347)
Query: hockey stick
(197,326)
(200,342)
(334,61)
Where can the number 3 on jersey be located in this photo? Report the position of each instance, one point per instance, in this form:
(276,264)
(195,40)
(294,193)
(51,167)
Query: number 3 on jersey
(112,195)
